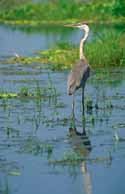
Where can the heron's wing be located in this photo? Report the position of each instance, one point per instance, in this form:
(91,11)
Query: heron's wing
(81,72)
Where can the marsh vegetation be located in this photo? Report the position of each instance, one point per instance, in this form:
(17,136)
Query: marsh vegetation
(61,12)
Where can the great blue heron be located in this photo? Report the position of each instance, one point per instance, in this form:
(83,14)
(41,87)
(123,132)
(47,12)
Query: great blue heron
(80,71)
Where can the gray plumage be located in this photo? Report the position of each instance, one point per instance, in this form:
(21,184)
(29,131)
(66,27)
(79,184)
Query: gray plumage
(80,70)
(78,76)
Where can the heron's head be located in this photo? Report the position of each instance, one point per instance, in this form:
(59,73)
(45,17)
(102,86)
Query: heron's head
(82,26)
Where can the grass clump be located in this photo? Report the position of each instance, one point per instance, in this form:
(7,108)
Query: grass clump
(61,57)
(107,50)
(24,91)
(8,95)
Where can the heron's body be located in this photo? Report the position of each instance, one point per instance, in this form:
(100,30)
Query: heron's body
(78,76)
(80,71)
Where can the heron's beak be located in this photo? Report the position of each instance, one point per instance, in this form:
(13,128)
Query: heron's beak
(72,25)
(69,25)
(78,25)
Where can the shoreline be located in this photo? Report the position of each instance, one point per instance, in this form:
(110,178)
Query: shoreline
(36,23)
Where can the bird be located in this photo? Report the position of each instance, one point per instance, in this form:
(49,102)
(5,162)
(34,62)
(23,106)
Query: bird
(80,71)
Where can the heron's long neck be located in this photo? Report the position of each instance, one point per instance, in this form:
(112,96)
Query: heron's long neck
(81,53)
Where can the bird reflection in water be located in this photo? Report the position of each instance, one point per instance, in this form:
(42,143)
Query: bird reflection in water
(82,146)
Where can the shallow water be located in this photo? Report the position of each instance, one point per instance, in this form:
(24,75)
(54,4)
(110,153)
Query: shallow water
(34,132)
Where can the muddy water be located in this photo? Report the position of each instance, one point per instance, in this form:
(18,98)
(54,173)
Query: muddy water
(37,151)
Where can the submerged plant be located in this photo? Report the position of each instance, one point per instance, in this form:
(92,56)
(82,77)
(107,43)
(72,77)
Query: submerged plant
(69,158)
(51,87)
(24,91)
(38,90)
(36,147)
(73,158)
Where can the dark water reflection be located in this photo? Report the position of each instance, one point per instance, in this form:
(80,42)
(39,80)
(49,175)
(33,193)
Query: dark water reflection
(35,131)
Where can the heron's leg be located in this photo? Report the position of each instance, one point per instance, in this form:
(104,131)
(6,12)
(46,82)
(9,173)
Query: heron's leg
(83,102)
(73,113)
(73,105)
(83,112)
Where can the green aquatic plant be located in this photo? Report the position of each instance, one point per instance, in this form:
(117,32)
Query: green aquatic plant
(10,168)
(48,92)
(24,91)
(36,147)
(38,89)
(51,88)
(8,95)
(59,57)
(14,173)
(11,132)
(22,60)
(73,158)
(69,158)
(107,50)
(5,95)
(4,103)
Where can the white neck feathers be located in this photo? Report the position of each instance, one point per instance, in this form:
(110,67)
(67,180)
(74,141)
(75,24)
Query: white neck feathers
(81,53)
